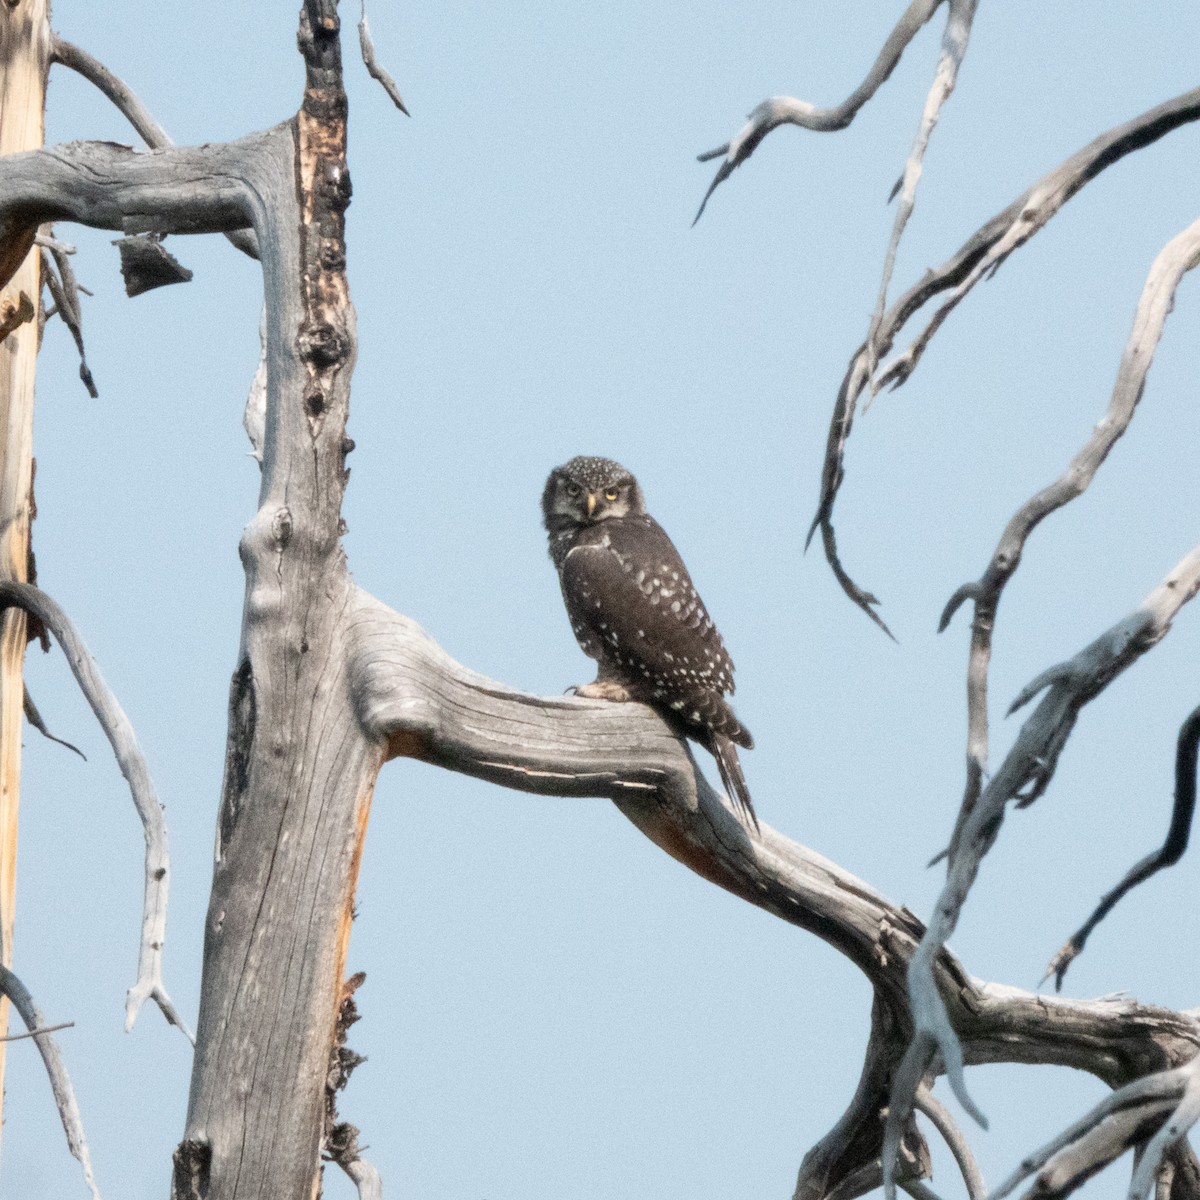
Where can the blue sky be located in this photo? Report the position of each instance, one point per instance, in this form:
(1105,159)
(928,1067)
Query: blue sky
(553,1008)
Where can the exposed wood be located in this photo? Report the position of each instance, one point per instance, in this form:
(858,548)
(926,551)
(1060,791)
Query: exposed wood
(24,58)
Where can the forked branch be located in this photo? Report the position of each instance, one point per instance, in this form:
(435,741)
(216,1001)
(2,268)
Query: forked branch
(1178,257)
(784,110)
(118,730)
(410,696)
(977,259)
(1023,776)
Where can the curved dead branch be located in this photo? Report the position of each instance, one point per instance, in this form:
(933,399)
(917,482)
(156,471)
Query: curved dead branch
(977,259)
(418,703)
(76,59)
(1167,855)
(784,110)
(120,734)
(1023,776)
(1178,257)
(60,1081)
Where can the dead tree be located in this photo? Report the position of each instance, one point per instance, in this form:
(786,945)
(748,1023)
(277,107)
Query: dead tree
(331,684)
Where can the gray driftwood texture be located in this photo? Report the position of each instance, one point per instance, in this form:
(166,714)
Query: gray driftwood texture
(331,683)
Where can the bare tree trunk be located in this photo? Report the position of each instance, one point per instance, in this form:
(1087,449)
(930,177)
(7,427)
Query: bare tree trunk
(299,770)
(24,60)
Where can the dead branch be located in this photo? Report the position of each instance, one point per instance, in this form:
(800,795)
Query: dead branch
(939,1117)
(1178,257)
(64,290)
(60,1081)
(978,258)
(784,110)
(1125,1119)
(367,47)
(35,719)
(36,1033)
(411,697)
(77,59)
(1023,776)
(954,49)
(120,734)
(1167,855)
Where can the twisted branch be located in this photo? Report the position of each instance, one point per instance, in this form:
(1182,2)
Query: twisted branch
(1024,775)
(784,110)
(977,259)
(1176,258)
(418,703)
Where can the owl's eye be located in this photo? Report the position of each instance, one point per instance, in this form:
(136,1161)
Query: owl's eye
(573,489)
(611,494)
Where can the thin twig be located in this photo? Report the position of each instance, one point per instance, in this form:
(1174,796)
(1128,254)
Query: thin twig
(1023,776)
(77,59)
(1167,855)
(367,46)
(121,737)
(784,110)
(60,1081)
(35,719)
(36,1033)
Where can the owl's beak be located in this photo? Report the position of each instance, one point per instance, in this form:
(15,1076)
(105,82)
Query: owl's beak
(591,503)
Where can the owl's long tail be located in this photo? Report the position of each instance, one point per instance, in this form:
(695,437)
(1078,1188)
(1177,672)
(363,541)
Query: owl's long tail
(730,766)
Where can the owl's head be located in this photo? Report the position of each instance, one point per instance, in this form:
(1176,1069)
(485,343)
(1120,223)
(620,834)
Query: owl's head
(587,490)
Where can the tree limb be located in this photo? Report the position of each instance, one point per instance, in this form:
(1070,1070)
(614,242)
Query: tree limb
(60,1081)
(954,49)
(1023,776)
(120,734)
(418,703)
(77,59)
(367,47)
(1167,855)
(978,258)
(939,1117)
(1178,257)
(784,110)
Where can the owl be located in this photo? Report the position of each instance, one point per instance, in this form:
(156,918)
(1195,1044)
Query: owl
(634,610)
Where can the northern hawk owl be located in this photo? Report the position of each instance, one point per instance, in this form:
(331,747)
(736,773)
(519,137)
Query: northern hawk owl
(634,609)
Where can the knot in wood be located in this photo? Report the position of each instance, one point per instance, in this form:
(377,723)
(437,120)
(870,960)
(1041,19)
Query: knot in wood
(281,527)
(314,403)
(322,345)
(338,187)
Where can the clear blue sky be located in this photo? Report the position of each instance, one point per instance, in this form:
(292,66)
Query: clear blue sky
(554,1009)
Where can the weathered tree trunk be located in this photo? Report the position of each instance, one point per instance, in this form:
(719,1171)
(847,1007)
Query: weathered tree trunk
(24,59)
(299,771)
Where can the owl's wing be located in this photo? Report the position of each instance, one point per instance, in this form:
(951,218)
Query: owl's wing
(630,590)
